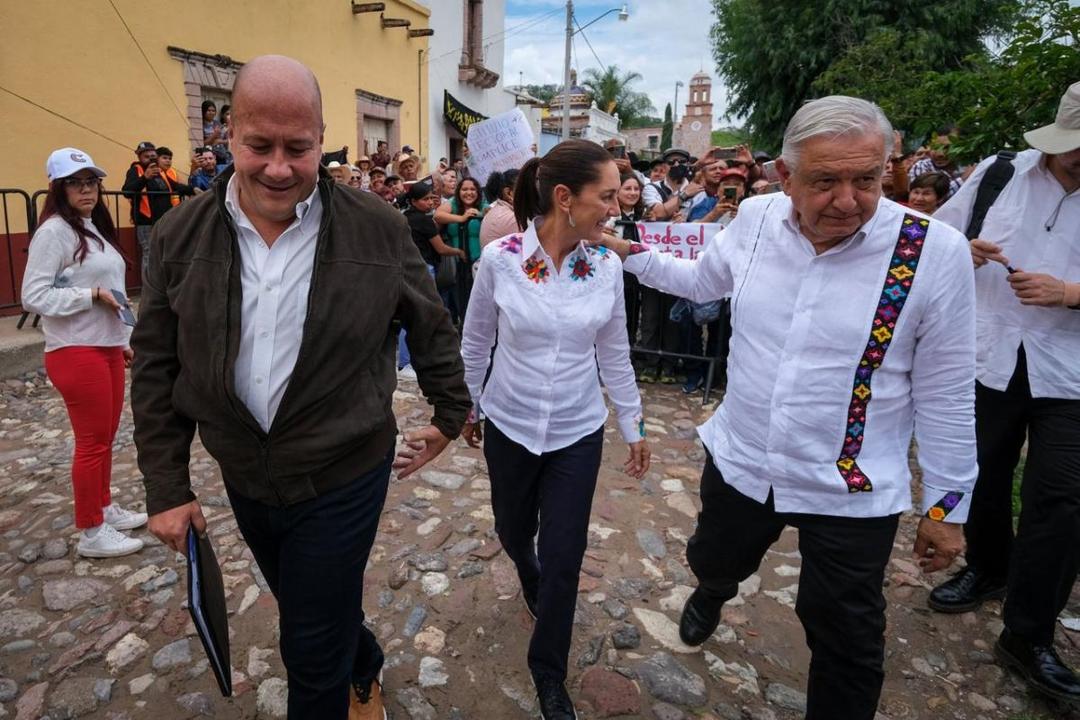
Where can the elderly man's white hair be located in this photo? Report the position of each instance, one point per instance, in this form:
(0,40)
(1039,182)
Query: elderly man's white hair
(834,116)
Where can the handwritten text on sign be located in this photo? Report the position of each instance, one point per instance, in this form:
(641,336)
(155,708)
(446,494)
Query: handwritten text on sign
(684,240)
(501,143)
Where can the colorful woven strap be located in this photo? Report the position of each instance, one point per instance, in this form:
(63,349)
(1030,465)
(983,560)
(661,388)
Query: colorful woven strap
(898,279)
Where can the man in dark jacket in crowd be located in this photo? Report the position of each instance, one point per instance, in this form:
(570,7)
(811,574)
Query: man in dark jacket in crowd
(267,324)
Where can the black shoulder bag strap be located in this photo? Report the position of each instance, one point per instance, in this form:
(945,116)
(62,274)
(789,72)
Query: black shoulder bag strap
(995,179)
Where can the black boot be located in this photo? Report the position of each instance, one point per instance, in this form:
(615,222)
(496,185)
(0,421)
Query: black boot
(1040,666)
(700,617)
(555,702)
(965,591)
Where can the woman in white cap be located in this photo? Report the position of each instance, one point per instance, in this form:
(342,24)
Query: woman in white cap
(74,269)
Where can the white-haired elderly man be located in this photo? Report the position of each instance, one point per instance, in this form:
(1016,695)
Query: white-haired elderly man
(854,328)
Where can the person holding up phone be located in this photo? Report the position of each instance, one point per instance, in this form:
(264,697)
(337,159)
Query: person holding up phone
(74,268)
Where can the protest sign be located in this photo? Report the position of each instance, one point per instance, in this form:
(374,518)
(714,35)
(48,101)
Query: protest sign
(501,143)
(684,240)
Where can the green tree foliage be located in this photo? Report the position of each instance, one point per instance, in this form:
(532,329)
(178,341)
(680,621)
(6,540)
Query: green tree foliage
(543,93)
(667,131)
(613,92)
(771,54)
(643,122)
(1021,88)
(993,99)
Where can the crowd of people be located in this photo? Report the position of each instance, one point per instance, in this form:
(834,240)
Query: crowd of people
(871,298)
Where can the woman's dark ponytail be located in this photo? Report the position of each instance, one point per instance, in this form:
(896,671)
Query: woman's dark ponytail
(527,201)
(573,163)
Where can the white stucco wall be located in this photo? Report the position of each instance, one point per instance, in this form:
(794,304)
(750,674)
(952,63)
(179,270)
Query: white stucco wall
(447,19)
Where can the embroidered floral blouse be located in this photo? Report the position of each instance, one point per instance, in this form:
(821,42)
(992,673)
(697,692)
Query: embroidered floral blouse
(554,329)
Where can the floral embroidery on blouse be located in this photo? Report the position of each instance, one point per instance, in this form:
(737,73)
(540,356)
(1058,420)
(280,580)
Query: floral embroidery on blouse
(536,270)
(603,252)
(582,269)
(641,427)
(511,244)
(638,248)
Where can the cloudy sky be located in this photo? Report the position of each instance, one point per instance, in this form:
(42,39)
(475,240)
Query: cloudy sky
(664,40)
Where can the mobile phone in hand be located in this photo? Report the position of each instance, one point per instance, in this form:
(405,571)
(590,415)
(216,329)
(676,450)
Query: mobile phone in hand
(127,316)
(725,153)
(771,173)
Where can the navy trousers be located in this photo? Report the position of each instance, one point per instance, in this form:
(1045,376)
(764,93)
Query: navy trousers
(313,556)
(551,493)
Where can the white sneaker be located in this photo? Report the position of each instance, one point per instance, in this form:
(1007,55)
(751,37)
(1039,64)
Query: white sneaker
(122,519)
(407,373)
(108,542)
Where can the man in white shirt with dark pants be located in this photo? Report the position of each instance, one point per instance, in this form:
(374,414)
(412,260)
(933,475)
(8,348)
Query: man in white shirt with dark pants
(1028,290)
(854,328)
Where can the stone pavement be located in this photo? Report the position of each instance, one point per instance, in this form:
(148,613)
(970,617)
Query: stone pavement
(112,638)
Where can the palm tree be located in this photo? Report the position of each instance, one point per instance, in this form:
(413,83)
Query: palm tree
(613,92)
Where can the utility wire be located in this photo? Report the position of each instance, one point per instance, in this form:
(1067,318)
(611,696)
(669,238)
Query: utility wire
(586,39)
(506,33)
(65,118)
(181,113)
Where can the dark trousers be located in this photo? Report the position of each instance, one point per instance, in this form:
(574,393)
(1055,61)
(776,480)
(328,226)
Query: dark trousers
(551,493)
(1041,564)
(714,344)
(840,600)
(313,556)
(658,332)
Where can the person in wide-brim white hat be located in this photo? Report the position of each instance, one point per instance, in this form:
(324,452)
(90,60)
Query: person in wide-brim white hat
(1062,135)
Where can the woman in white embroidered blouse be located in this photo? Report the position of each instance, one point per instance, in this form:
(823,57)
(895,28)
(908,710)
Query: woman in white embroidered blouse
(74,266)
(557,307)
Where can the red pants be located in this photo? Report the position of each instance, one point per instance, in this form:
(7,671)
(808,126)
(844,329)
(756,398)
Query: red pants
(91,380)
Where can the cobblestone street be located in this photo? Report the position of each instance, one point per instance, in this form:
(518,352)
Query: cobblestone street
(112,638)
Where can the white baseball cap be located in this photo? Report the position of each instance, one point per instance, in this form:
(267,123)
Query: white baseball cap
(1062,135)
(65,162)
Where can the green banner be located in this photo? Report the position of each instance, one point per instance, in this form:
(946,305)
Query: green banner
(459,116)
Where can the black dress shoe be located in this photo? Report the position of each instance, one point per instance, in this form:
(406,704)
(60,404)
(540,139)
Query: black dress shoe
(555,703)
(1040,666)
(699,619)
(965,591)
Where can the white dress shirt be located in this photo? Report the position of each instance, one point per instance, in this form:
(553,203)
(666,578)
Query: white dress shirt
(800,417)
(1037,225)
(275,282)
(60,289)
(650,194)
(554,329)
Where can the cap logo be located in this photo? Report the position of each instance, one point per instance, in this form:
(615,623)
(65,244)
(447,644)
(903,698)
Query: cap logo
(78,157)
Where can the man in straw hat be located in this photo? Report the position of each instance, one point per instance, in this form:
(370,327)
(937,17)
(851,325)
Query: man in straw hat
(1028,386)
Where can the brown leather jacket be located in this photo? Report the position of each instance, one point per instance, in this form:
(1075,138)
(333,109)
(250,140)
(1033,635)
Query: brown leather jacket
(335,421)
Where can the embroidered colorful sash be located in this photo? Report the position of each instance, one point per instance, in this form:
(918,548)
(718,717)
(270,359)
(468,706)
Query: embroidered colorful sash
(898,280)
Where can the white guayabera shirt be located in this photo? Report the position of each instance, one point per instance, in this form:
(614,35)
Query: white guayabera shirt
(837,359)
(555,328)
(1037,225)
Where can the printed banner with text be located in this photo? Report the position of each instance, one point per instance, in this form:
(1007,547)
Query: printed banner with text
(684,240)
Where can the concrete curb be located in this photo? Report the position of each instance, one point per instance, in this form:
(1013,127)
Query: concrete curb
(21,351)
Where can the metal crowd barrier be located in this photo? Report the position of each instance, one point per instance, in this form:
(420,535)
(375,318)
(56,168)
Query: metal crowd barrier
(13,255)
(722,326)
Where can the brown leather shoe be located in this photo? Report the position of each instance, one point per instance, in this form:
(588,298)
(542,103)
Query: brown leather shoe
(368,703)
